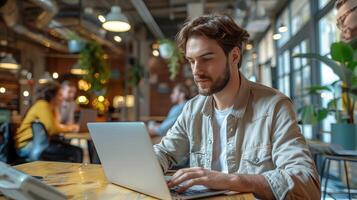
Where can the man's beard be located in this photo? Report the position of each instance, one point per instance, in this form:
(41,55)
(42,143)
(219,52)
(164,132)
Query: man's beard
(217,85)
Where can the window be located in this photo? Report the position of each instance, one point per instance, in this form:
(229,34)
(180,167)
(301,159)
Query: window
(266,52)
(323,3)
(328,33)
(284,20)
(283,73)
(295,16)
(301,80)
(300,13)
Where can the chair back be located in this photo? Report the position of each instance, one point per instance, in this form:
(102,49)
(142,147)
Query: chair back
(5,140)
(40,140)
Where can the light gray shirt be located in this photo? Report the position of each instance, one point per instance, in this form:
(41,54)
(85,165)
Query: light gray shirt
(263,137)
(67,112)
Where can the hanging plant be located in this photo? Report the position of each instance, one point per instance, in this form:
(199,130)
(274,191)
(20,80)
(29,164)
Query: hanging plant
(135,73)
(172,54)
(91,60)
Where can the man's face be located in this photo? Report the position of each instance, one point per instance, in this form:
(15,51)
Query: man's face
(69,93)
(175,95)
(209,64)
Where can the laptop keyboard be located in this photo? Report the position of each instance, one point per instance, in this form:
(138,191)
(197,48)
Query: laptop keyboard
(189,191)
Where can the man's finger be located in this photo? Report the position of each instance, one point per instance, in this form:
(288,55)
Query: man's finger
(196,181)
(186,176)
(180,172)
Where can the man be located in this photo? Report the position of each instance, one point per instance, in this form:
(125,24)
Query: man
(180,94)
(68,107)
(239,135)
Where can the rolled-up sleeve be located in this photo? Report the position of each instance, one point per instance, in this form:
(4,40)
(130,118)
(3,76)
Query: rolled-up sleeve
(295,176)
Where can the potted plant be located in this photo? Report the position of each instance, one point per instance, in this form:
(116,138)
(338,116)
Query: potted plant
(172,54)
(75,43)
(343,63)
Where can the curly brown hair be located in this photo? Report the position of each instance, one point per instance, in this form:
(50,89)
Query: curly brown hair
(219,27)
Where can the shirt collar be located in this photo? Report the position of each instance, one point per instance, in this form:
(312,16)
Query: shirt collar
(240,104)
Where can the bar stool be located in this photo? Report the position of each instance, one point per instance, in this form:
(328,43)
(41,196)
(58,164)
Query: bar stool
(327,162)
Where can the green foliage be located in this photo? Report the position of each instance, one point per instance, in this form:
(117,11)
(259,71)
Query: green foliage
(136,72)
(175,58)
(343,64)
(92,60)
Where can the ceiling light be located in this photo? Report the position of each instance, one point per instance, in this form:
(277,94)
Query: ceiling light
(117,38)
(155,52)
(77,70)
(45,78)
(276,36)
(116,21)
(248,47)
(8,62)
(101,18)
(282,28)
(129,100)
(82,100)
(2,90)
(55,75)
(254,55)
(26,93)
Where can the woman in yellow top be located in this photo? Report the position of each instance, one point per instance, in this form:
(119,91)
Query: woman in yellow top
(46,110)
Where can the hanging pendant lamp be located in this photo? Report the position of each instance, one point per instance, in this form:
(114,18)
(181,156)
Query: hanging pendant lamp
(116,21)
(8,62)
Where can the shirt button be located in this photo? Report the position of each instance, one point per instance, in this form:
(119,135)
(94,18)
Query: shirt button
(231,130)
(210,141)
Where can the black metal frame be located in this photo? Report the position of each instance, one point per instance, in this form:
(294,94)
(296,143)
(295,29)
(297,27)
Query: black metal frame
(328,158)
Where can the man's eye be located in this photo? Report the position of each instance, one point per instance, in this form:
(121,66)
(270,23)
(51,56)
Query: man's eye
(206,58)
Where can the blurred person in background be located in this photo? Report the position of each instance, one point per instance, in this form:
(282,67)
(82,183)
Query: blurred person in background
(69,106)
(179,96)
(46,110)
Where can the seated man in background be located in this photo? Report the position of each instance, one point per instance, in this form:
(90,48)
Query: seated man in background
(68,106)
(239,135)
(46,110)
(180,94)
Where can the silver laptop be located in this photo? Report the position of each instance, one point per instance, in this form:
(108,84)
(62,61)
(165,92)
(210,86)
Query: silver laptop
(85,116)
(18,185)
(128,159)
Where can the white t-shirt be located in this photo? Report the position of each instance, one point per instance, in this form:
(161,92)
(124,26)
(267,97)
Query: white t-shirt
(219,158)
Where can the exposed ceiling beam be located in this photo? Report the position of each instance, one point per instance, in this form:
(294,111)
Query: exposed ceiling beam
(147,18)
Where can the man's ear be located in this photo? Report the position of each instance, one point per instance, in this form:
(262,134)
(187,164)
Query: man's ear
(235,55)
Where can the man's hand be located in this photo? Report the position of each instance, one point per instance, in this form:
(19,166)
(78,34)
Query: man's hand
(152,132)
(200,176)
(74,127)
(221,181)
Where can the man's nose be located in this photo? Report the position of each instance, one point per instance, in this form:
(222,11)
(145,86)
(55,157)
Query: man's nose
(197,68)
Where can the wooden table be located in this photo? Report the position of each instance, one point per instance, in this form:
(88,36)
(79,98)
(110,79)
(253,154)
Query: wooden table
(87,181)
(75,135)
